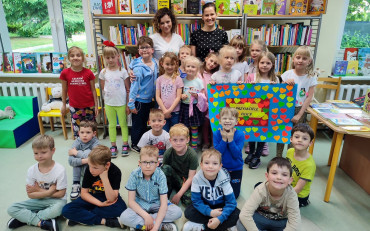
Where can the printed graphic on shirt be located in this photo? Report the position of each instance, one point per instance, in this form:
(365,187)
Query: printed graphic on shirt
(271,212)
(211,194)
(167,89)
(97,186)
(301,96)
(78,81)
(45,185)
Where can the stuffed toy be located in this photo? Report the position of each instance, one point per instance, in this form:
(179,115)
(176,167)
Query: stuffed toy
(55,102)
(7,113)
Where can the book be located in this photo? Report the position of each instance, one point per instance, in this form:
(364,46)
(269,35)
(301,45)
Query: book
(268,7)
(364,54)
(363,117)
(59,62)
(322,105)
(124,6)
(222,7)
(333,116)
(317,7)
(298,7)
(350,54)
(250,8)
(345,105)
(203,2)
(17,59)
(96,6)
(356,128)
(364,68)
(326,110)
(1,63)
(280,7)
(91,62)
(8,63)
(163,3)
(153,6)
(340,68)
(343,122)
(359,101)
(366,106)
(109,6)
(141,6)
(192,7)
(177,6)
(235,7)
(29,62)
(45,64)
(352,67)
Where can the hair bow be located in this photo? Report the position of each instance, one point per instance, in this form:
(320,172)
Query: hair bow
(109,43)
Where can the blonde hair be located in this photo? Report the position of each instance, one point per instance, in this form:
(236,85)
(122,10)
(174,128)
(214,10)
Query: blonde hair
(155,112)
(79,50)
(226,49)
(271,74)
(211,152)
(89,124)
(149,150)
(173,59)
(306,51)
(110,51)
(179,130)
(192,59)
(260,43)
(43,141)
(239,41)
(100,155)
(229,110)
(185,47)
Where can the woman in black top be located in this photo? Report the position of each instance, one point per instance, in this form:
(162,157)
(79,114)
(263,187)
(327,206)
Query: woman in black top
(209,38)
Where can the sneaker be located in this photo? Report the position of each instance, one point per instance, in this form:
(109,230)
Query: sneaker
(113,223)
(248,159)
(135,148)
(75,192)
(232,229)
(14,223)
(113,150)
(125,149)
(168,227)
(192,226)
(247,149)
(72,223)
(50,225)
(255,163)
(265,150)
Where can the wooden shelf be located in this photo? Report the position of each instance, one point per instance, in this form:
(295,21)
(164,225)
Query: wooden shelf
(150,16)
(29,75)
(349,78)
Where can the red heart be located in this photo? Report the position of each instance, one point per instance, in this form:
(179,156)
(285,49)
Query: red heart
(274,116)
(287,120)
(284,133)
(283,117)
(256,134)
(283,110)
(213,91)
(211,99)
(275,100)
(288,128)
(244,100)
(266,103)
(289,94)
(226,87)
(247,137)
(219,87)
(264,129)
(260,105)
(218,116)
(252,94)
(248,122)
(263,122)
(251,100)
(273,123)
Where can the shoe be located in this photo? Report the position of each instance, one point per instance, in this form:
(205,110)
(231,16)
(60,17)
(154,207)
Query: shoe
(125,149)
(50,225)
(71,223)
(255,163)
(168,227)
(113,223)
(232,229)
(113,150)
(248,159)
(192,226)
(247,149)
(265,150)
(75,192)
(14,223)
(135,148)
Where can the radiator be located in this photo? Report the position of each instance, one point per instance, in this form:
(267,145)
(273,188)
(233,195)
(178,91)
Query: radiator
(350,92)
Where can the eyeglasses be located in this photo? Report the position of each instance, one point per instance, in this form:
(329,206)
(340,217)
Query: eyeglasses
(150,163)
(144,48)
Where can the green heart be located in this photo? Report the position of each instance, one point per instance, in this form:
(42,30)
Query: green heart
(222,104)
(214,129)
(244,92)
(269,134)
(281,104)
(265,110)
(208,86)
(255,122)
(282,127)
(246,117)
(213,110)
(249,85)
(263,97)
(216,123)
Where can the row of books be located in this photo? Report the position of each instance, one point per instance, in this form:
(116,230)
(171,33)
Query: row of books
(124,61)
(282,62)
(352,61)
(281,35)
(15,62)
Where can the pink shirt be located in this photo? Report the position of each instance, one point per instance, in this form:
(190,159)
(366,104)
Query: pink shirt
(206,78)
(168,90)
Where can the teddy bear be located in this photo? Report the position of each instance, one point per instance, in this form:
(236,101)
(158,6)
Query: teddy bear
(7,113)
(55,102)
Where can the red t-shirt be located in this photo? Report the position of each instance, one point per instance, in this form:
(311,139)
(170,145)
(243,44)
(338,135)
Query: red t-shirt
(79,90)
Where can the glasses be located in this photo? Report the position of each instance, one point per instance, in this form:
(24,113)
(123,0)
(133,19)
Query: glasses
(150,163)
(144,48)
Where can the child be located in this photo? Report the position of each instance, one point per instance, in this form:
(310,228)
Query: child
(46,188)
(115,85)
(302,74)
(79,152)
(273,204)
(210,66)
(180,163)
(147,196)
(184,52)
(229,142)
(142,89)
(79,83)
(302,162)
(238,42)
(214,204)
(156,136)
(190,115)
(100,202)
(169,89)
(265,74)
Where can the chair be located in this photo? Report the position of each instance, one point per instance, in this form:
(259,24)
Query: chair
(51,114)
(334,86)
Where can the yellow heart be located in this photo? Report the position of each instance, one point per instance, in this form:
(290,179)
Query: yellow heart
(265,88)
(269,95)
(222,94)
(276,138)
(248,129)
(235,88)
(279,121)
(236,100)
(257,100)
(215,104)
(228,92)
(236,93)
(215,95)
(275,89)
(289,105)
(247,104)
(263,138)
(282,96)
(265,117)
(257,88)
(290,99)
(255,129)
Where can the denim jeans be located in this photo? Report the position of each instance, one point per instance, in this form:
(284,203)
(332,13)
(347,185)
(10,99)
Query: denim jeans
(264,224)
(139,121)
(175,118)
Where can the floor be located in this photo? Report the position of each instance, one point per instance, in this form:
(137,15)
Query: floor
(348,209)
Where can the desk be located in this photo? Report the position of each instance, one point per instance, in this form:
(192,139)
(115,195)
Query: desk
(335,146)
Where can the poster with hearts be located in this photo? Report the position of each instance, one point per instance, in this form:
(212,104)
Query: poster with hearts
(265,110)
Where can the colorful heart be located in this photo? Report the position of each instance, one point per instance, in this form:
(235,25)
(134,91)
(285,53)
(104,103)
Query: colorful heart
(289,105)
(228,101)
(284,133)
(275,100)
(274,116)
(273,123)
(265,88)
(289,93)
(236,100)
(241,87)
(275,110)
(277,138)
(282,127)
(236,93)
(249,85)
(244,92)
(263,97)
(225,87)
(247,137)
(254,129)
(252,94)
(282,90)
(248,129)
(215,95)
(263,138)
(269,95)
(257,100)
(257,88)
(213,110)
(228,92)
(283,110)
(288,128)
(219,87)
(213,91)
(234,88)
(222,104)
(255,122)
(284,139)
(265,110)
(281,104)
(282,96)
(289,87)
(222,94)
(275,89)
(256,134)
(264,129)
(269,134)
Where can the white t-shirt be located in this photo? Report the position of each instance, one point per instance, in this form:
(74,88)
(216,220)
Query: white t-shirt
(57,175)
(243,67)
(162,142)
(231,77)
(192,86)
(161,46)
(304,84)
(114,86)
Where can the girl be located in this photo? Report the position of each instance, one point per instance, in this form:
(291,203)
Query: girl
(168,89)
(184,52)
(190,115)
(238,42)
(210,66)
(115,85)
(303,74)
(265,74)
(79,83)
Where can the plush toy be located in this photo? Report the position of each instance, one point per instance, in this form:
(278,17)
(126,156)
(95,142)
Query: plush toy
(7,113)
(55,102)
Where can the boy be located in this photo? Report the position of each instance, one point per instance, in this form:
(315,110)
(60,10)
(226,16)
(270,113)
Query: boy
(229,142)
(302,162)
(214,203)
(156,136)
(79,152)
(100,202)
(46,188)
(147,196)
(142,90)
(180,163)
(273,204)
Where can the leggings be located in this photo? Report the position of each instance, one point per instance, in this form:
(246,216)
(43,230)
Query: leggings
(80,114)
(112,113)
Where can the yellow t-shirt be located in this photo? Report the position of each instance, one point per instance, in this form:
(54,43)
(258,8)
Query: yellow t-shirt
(304,170)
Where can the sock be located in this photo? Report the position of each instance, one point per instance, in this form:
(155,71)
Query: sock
(76,182)
(194,137)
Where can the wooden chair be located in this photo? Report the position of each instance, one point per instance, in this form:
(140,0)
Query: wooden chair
(51,114)
(335,85)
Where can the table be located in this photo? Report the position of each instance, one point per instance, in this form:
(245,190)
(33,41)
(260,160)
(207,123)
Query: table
(335,145)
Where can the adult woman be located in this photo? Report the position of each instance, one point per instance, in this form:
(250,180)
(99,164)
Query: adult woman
(209,38)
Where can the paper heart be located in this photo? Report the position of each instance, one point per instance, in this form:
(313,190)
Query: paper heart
(236,100)
(290,99)
(215,95)
(282,127)
(244,92)
(274,116)
(213,110)
(288,128)
(241,87)
(249,85)
(248,129)
(218,116)
(252,94)
(269,95)
(215,104)
(256,134)
(257,100)
(281,104)
(275,100)
(285,139)
(214,129)
(212,120)
(287,120)
(282,96)
(269,134)
(211,99)
(236,93)
(244,100)
(234,88)
(218,87)
(289,87)
(251,100)
(213,91)
(264,129)
(279,121)
(228,92)
(277,138)
(257,88)
(273,123)
(254,129)
(209,86)
(275,110)
(263,138)
(289,105)
(284,133)
(283,117)
(222,94)
(275,128)
(265,110)
(222,104)
(246,117)
(283,110)
(265,117)
(217,122)
(247,104)
(289,93)
(275,89)
(225,87)
(228,101)
(282,90)
(265,88)
(261,105)
(263,97)
(255,122)
(241,122)
(249,122)
(266,103)
(247,137)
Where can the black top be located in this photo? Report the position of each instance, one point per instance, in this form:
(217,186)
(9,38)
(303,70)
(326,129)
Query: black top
(206,41)
(95,185)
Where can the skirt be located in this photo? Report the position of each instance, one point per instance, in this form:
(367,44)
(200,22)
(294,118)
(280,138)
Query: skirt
(193,121)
